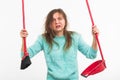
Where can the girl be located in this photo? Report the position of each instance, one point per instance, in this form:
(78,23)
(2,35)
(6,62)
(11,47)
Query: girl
(60,47)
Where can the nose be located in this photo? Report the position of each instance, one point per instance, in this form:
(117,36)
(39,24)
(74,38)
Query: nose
(56,21)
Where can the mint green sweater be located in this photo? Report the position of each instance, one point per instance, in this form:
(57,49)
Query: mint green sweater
(62,65)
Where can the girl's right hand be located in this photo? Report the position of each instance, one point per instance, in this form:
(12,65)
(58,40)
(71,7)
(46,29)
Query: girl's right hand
(23,33)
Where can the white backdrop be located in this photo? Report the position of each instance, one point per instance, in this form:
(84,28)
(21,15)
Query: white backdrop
(106,15)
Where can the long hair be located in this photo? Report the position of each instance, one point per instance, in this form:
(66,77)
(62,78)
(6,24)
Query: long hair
(49,33)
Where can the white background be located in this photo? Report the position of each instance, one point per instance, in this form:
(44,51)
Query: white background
(106,15)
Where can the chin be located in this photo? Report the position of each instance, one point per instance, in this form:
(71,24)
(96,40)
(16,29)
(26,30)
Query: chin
(58,30)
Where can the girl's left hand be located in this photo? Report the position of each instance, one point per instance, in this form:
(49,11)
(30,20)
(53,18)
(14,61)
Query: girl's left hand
(95,30)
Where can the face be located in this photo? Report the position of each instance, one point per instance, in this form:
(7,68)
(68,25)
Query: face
(58,23)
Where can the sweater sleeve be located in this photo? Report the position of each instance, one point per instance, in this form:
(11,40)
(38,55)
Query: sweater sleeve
(35,48)
(85,49)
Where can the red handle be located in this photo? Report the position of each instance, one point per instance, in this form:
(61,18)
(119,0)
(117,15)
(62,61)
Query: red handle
(92,21)
(24,39)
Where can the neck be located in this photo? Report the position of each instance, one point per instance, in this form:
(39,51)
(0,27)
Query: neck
(60,33)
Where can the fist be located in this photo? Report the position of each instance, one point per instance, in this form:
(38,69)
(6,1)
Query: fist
(95,30)
(23,33)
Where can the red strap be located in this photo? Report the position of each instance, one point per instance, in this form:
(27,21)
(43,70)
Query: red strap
(24,39)
(92,21)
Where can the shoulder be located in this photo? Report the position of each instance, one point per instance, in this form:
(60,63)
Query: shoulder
(75,35)
(41,37)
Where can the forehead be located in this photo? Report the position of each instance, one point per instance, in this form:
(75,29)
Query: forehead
(57,14)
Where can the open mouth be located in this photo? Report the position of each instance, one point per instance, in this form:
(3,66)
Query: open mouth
(58,26)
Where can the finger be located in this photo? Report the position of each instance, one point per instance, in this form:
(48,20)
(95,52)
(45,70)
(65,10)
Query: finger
(23,30)
(24,35)
(95,31)
(93,26)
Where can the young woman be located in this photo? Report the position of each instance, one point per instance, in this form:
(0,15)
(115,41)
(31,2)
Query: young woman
(60,47)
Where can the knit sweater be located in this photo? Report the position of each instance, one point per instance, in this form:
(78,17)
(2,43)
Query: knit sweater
(62,64)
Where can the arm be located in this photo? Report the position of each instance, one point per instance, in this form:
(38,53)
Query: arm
(94,42)
(89,52)
(33,49)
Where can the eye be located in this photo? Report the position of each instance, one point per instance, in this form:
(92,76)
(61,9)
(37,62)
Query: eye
(53,20)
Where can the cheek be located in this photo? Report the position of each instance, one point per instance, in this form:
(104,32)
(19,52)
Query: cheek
(63,22)
(52,26)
